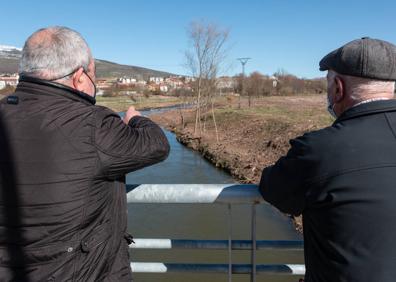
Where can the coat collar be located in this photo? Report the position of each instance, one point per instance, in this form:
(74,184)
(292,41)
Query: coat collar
(46,87)
(370,108)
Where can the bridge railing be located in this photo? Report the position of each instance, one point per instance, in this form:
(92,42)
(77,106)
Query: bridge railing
(210,194)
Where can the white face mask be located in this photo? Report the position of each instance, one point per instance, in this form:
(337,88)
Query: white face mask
(330,108)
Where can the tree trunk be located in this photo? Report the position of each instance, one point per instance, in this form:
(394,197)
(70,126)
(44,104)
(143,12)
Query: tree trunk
(181,118)
(198,110)
(214,121)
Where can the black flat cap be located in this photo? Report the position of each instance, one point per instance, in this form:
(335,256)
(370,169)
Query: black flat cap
(366,57)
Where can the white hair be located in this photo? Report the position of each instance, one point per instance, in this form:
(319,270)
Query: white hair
(54,52)
(360,88)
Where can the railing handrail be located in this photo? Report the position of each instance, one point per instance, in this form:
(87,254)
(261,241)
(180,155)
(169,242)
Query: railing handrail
(160,243)
(194,193)
(161,267)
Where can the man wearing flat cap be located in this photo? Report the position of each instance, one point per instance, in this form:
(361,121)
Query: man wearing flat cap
(342,179)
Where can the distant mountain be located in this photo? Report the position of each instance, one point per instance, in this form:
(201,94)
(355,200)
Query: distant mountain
(110,69)
(9,57)
(9,60)
(10,52)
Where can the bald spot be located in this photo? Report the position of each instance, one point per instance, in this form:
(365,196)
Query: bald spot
(42,38)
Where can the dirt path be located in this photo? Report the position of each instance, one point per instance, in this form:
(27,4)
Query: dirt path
(249,138)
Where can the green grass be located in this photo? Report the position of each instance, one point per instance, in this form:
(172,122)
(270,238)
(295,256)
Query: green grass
(122,103)
(282,113)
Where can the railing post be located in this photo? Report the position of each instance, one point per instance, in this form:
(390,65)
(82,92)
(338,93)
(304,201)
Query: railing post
(254,244)
(229,243)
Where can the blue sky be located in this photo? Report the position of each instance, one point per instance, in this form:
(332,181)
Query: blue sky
(277,34)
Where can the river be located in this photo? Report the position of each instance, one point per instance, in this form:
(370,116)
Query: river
(202,221)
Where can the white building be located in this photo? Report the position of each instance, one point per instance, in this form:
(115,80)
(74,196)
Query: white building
(156,79)
(10,80)
(274,81)
(127,80)
(189,79)
(163,88)
(226,82)
(141,82)
(174,82)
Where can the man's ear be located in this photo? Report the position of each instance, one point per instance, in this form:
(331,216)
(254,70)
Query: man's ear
(78,79)
(340,89)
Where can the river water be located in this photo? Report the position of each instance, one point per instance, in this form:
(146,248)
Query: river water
(202,221)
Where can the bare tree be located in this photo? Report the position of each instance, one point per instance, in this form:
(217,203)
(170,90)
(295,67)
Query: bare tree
(204,60)
(255,85)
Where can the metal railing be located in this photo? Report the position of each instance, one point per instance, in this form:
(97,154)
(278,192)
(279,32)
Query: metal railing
(213,194)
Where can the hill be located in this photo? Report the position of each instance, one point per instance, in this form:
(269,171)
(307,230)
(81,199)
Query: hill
(110,69)
(9,60)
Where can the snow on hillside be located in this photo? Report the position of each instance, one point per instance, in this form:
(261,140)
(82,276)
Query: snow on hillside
(9,52)
(9,48)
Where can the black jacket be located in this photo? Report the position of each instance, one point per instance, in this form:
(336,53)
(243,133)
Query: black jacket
(62,180)
(343,180)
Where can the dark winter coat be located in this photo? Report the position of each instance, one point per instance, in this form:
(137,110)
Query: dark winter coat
(343,180)
(62,182)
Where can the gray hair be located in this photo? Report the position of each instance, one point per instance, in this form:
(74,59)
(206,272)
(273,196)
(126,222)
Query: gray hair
(360,88)
(54,52)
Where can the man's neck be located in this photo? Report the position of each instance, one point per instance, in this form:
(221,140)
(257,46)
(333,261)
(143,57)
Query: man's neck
(370,100)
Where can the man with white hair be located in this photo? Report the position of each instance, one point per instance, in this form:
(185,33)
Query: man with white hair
(342,179)
(62,168)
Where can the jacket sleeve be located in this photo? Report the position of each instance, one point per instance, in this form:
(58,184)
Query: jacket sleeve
(284,184)
(124,148)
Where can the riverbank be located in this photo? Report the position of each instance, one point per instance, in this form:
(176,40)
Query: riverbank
(249,138)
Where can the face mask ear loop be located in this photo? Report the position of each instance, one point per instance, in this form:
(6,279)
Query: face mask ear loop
(330,108)
(93,83)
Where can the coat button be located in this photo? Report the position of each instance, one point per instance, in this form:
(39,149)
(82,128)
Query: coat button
(84,246)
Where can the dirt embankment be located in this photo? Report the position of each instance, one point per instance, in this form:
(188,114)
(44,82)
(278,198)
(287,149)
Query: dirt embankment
(249,138)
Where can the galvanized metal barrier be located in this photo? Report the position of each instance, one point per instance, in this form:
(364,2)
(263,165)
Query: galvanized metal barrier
(215,194)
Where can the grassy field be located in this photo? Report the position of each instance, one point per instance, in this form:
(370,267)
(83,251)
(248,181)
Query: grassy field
(122,103)
(305,112)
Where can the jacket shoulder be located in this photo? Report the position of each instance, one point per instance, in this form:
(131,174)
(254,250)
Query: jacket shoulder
(103,115)
(103,111)
(320,137)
